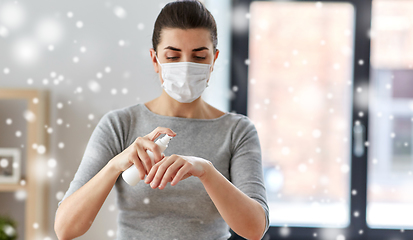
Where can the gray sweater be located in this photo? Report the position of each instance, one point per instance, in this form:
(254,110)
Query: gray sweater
(184,211)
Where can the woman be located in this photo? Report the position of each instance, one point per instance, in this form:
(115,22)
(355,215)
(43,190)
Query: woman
(210,176)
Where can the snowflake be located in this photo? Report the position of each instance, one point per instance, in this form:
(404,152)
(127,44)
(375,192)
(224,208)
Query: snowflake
(111,233)
(52,163)
(20,195)
(4,32)
(41,149)
(35,225)
(141,26)
(119,12)
(79,24)
(59,195)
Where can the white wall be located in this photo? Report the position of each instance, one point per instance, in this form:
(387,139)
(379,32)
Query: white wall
(32,65)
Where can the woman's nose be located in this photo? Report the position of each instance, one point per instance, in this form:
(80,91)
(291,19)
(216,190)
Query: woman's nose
(185,58)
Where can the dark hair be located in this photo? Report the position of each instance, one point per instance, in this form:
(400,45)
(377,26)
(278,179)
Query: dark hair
(184,14)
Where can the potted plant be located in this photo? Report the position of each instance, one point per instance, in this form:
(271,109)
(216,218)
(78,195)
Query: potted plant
(7,229)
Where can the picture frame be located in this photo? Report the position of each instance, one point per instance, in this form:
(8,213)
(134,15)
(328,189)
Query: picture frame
(10,165)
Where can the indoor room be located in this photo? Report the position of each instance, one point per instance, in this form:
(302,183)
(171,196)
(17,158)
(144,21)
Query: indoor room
(206,119)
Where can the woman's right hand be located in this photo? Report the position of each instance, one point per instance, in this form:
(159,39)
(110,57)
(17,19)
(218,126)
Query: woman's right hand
(136,152)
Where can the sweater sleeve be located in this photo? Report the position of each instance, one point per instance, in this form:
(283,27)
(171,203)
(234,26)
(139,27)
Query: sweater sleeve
(246,166)
(106,141)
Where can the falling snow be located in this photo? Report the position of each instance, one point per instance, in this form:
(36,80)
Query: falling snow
(59,195)
(20,195)
(111,233)
(112,207)
(4,32)
(120,12)
(41,149)
(285,231)
(9,231)
(47,37)
(4,163)
(141,26)
(52,163)
(79,24)
(340,237)
(35,225)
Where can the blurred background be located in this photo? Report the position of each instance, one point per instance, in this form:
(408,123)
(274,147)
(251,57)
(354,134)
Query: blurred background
(328,85)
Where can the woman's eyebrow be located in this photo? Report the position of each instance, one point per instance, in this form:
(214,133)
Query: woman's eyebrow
(173,48)
(199,49)
(193,50)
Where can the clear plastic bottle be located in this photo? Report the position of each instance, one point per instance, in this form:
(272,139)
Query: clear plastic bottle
(131,175)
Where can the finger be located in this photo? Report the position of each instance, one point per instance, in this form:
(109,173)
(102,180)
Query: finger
(152,172)
(133,157)
(170,173)
(146,144)
(143,145)
(161,171)
(158,131)
(179,175)
(145,159)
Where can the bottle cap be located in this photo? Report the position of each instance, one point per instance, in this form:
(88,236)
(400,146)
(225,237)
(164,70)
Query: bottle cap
(165,140)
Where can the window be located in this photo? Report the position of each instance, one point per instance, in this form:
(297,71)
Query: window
(390,164)
(300,99)
(329,86)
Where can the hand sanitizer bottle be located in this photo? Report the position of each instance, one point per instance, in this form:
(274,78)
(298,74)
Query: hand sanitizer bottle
(131,175)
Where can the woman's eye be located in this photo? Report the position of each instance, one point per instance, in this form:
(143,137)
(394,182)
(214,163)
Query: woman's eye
(198,57)
(172,58)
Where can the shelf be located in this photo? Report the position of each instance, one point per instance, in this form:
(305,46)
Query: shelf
(5,187)
(35,210)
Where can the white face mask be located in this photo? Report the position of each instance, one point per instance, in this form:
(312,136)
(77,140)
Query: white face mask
(185,81)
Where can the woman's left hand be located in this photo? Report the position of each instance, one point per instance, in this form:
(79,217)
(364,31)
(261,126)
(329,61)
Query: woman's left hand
(176,168)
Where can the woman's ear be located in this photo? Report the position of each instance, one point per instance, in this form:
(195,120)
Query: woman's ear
(153,58)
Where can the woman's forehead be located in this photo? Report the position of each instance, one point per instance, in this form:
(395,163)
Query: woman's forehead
(185,39)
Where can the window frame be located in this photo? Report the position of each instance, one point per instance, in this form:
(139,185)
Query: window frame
(361,77)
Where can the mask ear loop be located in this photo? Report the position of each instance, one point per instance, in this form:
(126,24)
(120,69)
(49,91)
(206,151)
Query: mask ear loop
(210,72)
(157,60)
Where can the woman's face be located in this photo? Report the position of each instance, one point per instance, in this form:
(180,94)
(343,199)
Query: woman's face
(179,45)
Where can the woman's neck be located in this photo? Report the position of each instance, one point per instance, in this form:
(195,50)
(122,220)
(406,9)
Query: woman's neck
(167,106)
